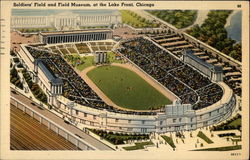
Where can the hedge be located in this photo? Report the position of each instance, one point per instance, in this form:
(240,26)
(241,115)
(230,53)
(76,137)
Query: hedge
(118,138)
(226,134)
(138,146)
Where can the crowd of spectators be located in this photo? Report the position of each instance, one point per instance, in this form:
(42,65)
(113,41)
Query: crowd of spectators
(176,43)
(182,80)
(190,77)
(74,87)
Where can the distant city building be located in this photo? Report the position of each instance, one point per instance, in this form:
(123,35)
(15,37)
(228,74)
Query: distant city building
(75,36)
(100,57)
(64,20)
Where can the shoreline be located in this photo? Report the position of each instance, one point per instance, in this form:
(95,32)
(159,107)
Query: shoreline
(229,18)
(201,17)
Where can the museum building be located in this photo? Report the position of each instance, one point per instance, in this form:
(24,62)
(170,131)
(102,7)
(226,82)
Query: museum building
(66,20)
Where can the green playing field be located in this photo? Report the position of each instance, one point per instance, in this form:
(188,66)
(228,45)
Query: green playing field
(126,89)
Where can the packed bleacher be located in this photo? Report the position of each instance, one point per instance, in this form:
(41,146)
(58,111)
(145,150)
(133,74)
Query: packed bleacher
(101,46)
(80,48)
(75,88)
(176,44)
(190,77)
(182,80)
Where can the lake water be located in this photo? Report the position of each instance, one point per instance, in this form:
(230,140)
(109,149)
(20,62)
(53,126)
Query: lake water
(234,29)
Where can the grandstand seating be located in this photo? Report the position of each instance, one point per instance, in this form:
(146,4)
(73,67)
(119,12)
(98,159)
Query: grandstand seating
(182,80)
(82,48)
(75,88)
(176,44)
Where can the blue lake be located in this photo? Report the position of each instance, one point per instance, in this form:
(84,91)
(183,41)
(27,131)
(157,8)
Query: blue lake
(234,29)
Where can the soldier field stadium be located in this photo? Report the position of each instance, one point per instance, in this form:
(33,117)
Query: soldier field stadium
(145,83)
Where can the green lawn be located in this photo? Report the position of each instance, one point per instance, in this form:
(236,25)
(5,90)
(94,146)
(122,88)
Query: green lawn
(80,62)
(138,146)
(126,88)
(169,141)
(88,61)
(111,58)
(228,148)
(235,123)
(204,137)
(133,19)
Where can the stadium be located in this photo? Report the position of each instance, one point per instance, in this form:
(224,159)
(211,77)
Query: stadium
(146,88)
(110,76)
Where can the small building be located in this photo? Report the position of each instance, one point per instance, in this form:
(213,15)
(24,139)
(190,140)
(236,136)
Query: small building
(215,73)
(100,57)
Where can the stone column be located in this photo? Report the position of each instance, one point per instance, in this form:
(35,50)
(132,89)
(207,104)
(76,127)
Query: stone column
(83,37)
(77,36)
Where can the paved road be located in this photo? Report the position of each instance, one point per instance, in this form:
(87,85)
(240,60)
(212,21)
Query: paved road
(91,140)
(27,133)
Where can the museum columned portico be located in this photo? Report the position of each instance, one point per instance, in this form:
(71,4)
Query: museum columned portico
(66,20)
(75,36)
(29,21)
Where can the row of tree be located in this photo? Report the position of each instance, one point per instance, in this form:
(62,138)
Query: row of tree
(28,30)
(15,79)
(178,18)
(35,89)
(119,138)
(213,32)
(135,20)
(228,125)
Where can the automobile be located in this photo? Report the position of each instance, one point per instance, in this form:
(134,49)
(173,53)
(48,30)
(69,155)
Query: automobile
(78,136)
(67,122)
(33,103)
(40,106)
(14,92)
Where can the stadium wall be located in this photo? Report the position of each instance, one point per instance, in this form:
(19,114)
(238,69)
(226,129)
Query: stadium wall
(176,117)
